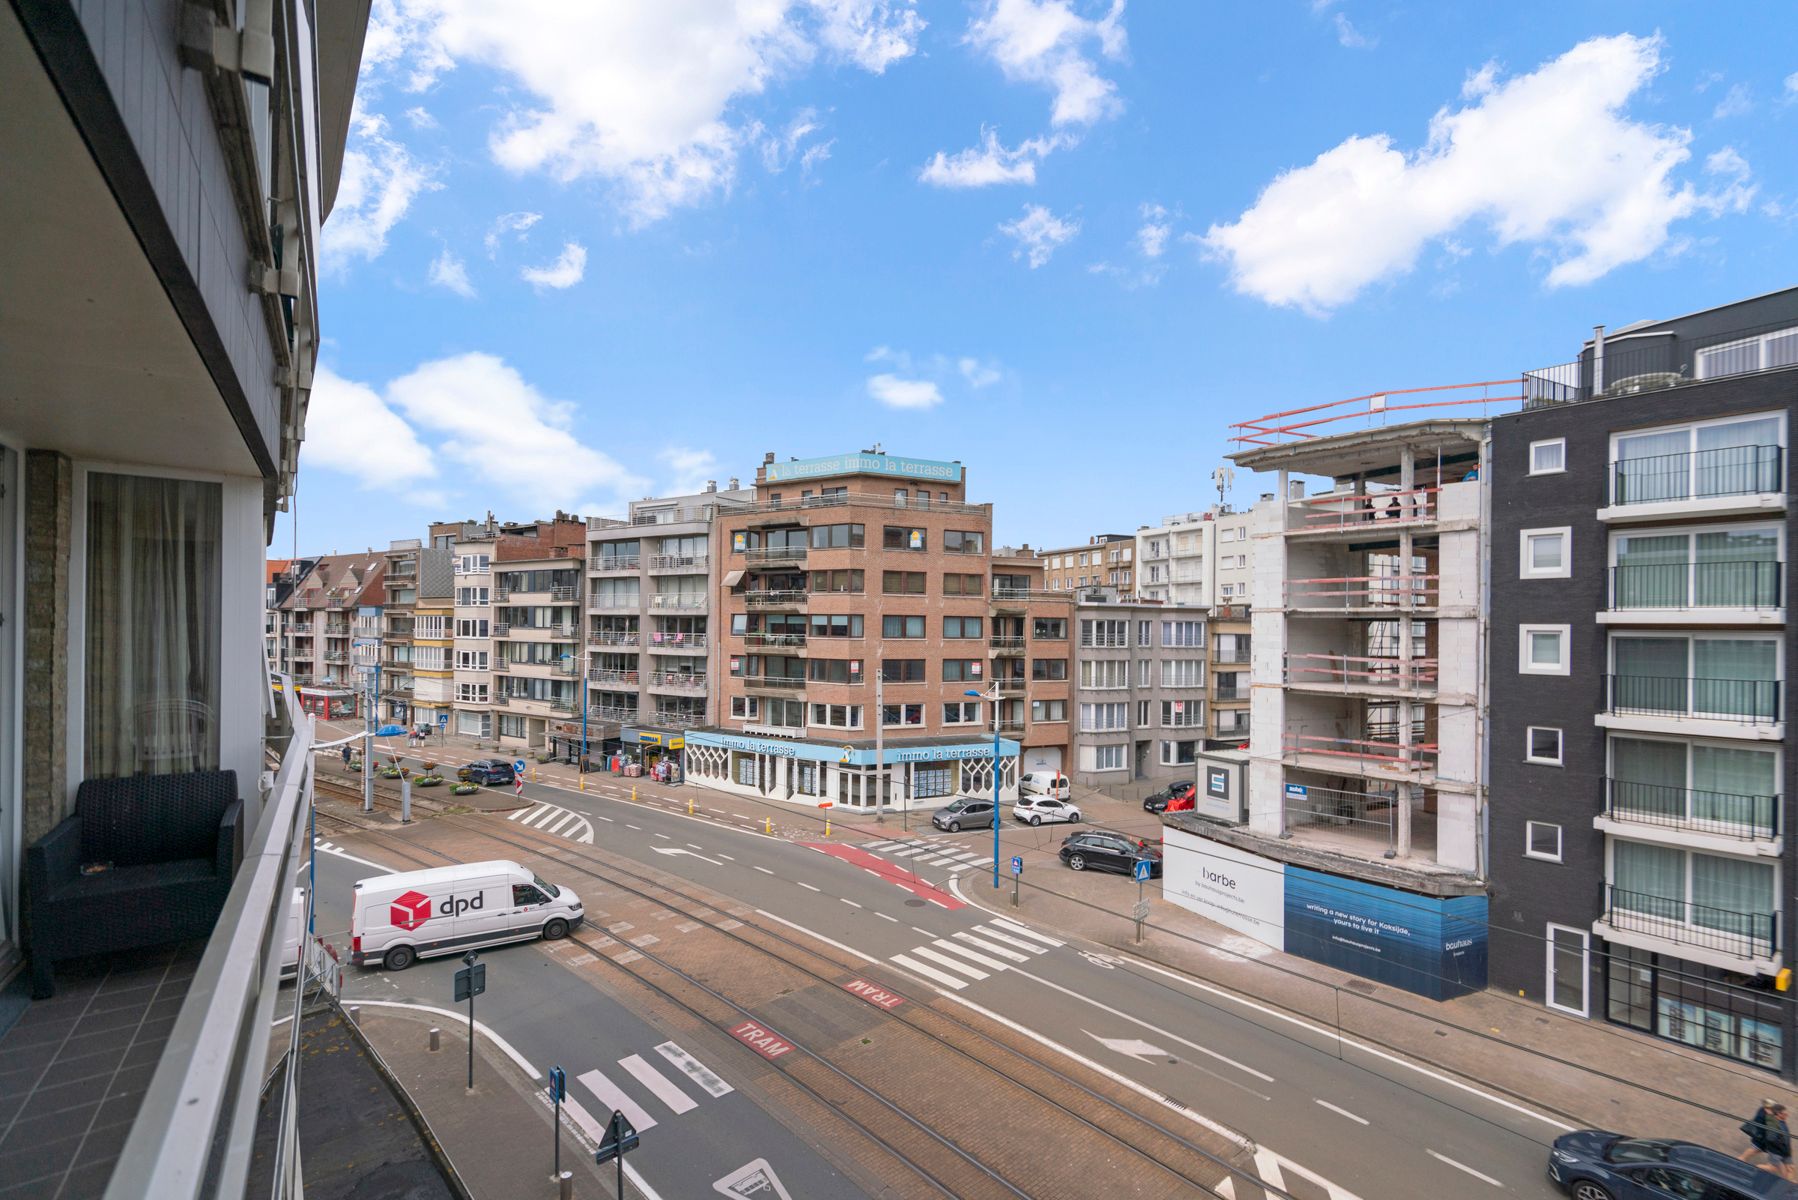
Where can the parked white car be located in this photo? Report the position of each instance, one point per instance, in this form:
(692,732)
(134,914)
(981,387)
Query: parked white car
(1037,809)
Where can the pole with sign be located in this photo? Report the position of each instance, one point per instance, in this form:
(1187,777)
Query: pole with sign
(619,1138)
(471,981)
(1141,870)
(558,1088)
(1017,873)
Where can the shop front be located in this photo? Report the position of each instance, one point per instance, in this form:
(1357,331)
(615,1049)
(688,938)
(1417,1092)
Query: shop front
(1736,1016)
(911,774)
(330,703)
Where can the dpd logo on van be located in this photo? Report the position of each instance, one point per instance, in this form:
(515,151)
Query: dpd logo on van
(411,909)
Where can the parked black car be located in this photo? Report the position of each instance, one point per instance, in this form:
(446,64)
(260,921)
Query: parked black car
(1157,801)
(1102,850)
(1591,1164)
(965,813)
(487,771)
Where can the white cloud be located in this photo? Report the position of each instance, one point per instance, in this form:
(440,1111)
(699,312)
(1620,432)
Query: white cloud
(895,392)
(990,162)
(421,118)
(779,150)
(1045,42)
(1792,87)
(1039,233)
(565,272)
(1735,103)
(978,374)
(688,469)
(1546,159)
(380,181)
(449,271)
(1348,35)
(497,429)
(513,222)
(351,430)
(813,157)
(640,95)
(1151,238)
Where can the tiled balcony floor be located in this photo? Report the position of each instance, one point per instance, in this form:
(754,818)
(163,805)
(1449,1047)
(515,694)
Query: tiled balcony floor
(75,1067)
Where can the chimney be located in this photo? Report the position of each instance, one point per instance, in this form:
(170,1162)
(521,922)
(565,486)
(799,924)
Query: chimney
(711,485)
(767,458)
(733,483)
(1597,360)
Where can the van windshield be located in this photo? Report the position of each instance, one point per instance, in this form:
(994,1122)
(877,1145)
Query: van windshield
(549,888)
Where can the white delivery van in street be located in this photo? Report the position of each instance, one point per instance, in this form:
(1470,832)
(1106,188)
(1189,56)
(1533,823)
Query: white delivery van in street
(445,910)
(1045,783)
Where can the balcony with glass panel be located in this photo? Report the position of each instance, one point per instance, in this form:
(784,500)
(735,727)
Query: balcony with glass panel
(1692,794)
(1714,909)
(1715,468)
(1718,686)
(1691,577)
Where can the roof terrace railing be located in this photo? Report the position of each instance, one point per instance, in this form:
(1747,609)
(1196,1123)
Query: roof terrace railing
(1300,424)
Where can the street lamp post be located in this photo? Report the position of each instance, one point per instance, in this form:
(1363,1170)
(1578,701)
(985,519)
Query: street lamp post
(995,699)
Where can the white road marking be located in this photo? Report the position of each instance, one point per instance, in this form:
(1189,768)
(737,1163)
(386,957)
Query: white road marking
(694,846)
(850,903)
(867,958)
(884,917)
(989,931)
(1014,927)
(808,887)
(941,977)
(638,828)
(1001,951)
(695,1070)
(977,956)
(663,836)
(676,850)
(954,964)
(940,904)
(1341,1112)
(925,932)
(615,1098)
(764,870)
(660,1084)
(1463,1167)
(340,852)
(607,820)
(725,857)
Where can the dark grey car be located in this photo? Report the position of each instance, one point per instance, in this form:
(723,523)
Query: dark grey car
(964,814)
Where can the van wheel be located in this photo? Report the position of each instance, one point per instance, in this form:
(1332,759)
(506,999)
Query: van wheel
(1076,862)
(955,827)
(1036,819)
(398,958)
(555,930)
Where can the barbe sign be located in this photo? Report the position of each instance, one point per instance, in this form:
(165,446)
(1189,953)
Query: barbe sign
(764,1042)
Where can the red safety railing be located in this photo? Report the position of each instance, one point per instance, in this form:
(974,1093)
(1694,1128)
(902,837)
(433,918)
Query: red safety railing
(1277,428)
(1362,671)
(1341,510)
(1364,591)
(1418,756)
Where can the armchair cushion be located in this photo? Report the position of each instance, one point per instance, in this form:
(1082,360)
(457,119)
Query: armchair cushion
(153,818)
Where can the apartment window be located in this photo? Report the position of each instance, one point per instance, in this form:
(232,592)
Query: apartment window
(745,708)
(841,582)
(1083,560)
(471,693)
(1049,629)
(1183,633)
(836,625)
(1102,758)
(471,660)
(1226,535)
(1096,718)
(1183,672)
(473,564)
(1733,678)
(1181,714)
(899,496)
(1737,566)
(902,627)
(964,585)
(1546,553)
(1761,353)
(962,712)
(1142,672)
(1542,744)
(472,597)
(903,670)
(1542,649)
(1104,675)
(1735,456)
(837,716)
(1048,670)
(962,670)
(1143,629)
(1542,840)
(1104,633)
(837,537)
(964,541)
(1179,754)
(899,537)
(834,670)
(1048,710)
(900,715)
(1736,897)
(1548,457)
(467,627)
(1715,787)
(902,583)
(961,627)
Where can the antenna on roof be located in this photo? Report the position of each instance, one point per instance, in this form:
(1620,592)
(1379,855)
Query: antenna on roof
(1225,478)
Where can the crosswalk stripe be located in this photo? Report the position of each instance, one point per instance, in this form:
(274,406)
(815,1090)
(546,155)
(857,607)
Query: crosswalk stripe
(1014,927)
(965,866)
(989,947)
(907,851)
(878,845)
(933,860)
(941,977)
(693,1069)
(540,816)
(952,963)
(660,1084)
(613,1097)
(976,955)
(971,857)
(989,931)
(515,814)
(561,823)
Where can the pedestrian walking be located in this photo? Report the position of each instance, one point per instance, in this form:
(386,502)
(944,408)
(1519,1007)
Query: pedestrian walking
(346,755)
(1768,1134)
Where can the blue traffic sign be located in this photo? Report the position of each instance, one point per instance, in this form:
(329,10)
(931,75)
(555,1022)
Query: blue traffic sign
(558,1084)
(518,766)
(442,719)
(1141,870)
(1017,865)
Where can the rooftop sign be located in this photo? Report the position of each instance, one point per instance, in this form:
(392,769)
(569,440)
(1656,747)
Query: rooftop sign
(863,464)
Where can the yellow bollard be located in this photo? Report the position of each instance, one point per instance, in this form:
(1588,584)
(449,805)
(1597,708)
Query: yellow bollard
(769,827)
(533,774)
(689,807)
(583,782)
(826,826)
(633,793)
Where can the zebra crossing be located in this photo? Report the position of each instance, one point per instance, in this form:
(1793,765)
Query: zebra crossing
(658,1090)
(935,852)
(969,956)
(553,818)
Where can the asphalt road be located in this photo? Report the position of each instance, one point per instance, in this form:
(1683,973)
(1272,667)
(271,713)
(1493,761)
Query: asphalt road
(1329,1120)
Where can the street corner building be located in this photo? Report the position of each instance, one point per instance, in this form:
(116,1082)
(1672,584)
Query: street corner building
(859,602)
(167,171)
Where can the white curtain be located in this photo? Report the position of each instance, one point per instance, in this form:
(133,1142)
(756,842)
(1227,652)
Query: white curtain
(1648,778)
(154,550)
(1739,458)
(1650,878)
(1734,676)
(1735,894)
(1651,571)
(1650,674)
(1737,569)
(1734,786)
(1652,466)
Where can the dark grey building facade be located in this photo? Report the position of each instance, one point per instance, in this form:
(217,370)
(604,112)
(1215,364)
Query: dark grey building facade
(1638,649)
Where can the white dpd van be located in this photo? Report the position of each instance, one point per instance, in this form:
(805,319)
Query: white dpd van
(416,914)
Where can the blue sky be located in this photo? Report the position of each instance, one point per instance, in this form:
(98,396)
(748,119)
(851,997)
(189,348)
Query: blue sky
(590,251)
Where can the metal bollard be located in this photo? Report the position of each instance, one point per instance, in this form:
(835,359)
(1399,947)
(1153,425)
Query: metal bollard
(566,1184)
(436,1039)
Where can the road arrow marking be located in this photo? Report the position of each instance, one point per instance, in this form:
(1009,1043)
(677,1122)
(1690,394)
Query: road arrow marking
(1139,1050)
(688,853)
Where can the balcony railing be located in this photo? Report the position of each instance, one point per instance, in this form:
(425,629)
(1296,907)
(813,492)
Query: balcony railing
(768,555)
(678,562)
(685,680)
(775,682)
(1698,475)
(336,656)
(684,601)
(1230,658)
(611,712)
(607,637)
(1755,701)
(601,602)
(1229,695)
(860,500)
(1237,731)
(1410,592)
(613,675)
(679,719)
(677,642)
(501,663)
(615,562)
(1013,727)
(564,705)
(1348,670)
(1739,934)
(1748,817)
(1012,595)
(1420,756)
(1754,584)
(775,599)
(500,629)
(1656,361)
(1343,510)
(761,637)
(1008,643)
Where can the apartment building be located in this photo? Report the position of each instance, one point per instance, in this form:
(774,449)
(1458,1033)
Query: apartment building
(536,598)
(1640,642)
(162,207)
(651,585)
(1032,647)
(853,613)
(1232,624)
(435,630)
(1176,559)
(1139,689)
(365,631)
(316,620)
(1105,560)
(399,613)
